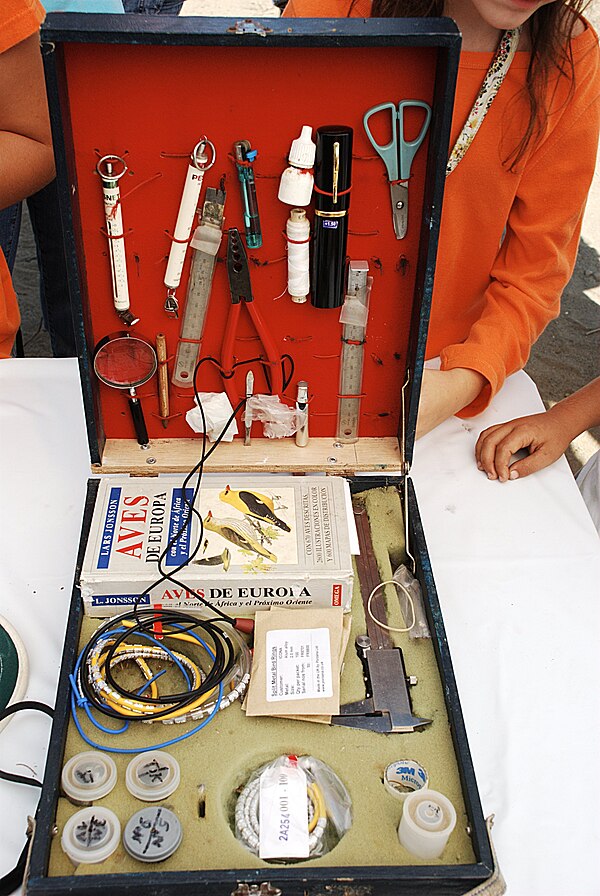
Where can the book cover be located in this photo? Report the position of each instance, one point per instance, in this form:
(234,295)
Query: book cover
(276,541)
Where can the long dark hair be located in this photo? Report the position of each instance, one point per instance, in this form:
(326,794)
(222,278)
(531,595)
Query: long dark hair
(551,28)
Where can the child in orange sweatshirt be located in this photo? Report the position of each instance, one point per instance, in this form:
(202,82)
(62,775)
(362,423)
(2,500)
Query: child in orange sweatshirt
(513,204)
(26,156)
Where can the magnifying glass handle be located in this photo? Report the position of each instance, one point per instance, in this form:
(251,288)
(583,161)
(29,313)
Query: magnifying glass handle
(137,415)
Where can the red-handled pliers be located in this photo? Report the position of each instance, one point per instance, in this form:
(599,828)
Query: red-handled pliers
(241,291)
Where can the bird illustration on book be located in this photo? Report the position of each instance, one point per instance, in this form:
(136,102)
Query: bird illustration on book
(223,559)
(253,504)
(238,532)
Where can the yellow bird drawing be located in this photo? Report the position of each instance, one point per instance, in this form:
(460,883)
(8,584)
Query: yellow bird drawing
(253,504)
(238,532)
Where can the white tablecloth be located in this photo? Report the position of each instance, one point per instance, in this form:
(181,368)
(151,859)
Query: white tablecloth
(517,567)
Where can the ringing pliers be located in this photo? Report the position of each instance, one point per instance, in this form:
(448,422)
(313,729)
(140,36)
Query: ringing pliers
(241,292)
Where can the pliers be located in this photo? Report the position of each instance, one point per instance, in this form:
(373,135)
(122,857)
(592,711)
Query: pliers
(241,292)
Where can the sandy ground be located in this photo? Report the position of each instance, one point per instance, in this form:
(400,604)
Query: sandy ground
(565,357)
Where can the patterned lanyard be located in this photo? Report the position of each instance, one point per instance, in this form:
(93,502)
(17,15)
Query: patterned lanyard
(491,84)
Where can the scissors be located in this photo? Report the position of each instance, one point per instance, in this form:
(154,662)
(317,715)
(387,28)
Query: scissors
(241,293)
(398,155)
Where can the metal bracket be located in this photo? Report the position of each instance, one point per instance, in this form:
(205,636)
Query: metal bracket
(264,889)
(249,26)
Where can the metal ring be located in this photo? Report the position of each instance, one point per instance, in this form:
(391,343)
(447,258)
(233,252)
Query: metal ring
(199,149)
(112,176)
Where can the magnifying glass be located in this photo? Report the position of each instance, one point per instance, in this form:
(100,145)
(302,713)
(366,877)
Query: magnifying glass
(124,361)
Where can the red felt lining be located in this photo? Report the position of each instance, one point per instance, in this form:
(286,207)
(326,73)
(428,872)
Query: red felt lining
(163,99)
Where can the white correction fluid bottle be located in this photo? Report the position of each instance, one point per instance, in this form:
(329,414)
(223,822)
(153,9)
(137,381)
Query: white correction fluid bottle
(296,185)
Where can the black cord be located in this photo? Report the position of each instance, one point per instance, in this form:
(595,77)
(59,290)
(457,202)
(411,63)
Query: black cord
(11,710)
(13,880)
(198,468)
(145,620)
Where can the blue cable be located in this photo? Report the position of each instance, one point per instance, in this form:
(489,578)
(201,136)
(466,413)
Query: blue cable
(166,743)
(78,700)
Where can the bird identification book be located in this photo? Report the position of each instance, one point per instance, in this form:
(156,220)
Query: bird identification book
(249,543)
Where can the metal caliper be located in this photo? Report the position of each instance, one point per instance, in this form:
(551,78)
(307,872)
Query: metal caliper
(386,707)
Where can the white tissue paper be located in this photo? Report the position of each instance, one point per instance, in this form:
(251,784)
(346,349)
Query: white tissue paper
(217,411)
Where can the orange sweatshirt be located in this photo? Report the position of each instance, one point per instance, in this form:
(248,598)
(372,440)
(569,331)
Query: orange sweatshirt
(493,296)
(19,19)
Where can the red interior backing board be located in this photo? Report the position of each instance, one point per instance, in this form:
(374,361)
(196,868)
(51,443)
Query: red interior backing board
(151,105)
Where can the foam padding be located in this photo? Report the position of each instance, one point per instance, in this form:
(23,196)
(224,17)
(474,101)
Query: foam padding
(231,747)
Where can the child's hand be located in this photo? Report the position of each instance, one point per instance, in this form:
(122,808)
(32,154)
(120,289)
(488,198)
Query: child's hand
(547,436)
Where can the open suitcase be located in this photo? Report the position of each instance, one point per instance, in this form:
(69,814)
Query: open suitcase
(146,91)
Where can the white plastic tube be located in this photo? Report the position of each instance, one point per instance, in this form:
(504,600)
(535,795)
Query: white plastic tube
(297,230)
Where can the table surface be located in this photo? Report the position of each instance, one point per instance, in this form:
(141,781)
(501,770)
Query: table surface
(517,568)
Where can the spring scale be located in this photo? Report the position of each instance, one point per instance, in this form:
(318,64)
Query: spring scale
(353,349)
(111,169)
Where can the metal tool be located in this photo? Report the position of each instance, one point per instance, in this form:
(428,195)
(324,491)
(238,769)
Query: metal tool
(247,409)
(111,169)
(352,357)
(302,412)
(201,161)
(205,245)
(241,293)
(386,708)
(244,159)
(398,156)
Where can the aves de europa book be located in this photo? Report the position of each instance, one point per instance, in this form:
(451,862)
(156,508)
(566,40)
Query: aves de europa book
(248,544)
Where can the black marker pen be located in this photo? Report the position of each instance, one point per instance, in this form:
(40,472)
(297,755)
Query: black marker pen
(333,171)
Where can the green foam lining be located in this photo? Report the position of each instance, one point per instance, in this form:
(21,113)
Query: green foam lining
(223,755)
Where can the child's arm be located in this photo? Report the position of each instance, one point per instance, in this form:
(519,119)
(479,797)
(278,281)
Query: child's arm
(546,435)
(444,393)
(26,156)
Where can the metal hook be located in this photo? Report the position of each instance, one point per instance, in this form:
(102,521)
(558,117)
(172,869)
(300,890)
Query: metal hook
(199,157)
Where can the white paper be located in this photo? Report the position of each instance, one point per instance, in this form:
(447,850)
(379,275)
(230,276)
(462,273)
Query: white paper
(298,664)
(283,813)
(217,411)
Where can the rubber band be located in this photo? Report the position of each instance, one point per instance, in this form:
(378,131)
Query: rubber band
(175,240)
(142,184)
(117,236)
(378,622)
(330,193)
(295,242)
(358,395)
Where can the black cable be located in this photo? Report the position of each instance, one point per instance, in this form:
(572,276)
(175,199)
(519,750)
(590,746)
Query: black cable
(287,381)
(11,710)
(13,880)
(223,662)
(198,468)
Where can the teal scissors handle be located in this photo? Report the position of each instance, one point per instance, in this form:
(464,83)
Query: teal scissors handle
(408,148)
(387,151)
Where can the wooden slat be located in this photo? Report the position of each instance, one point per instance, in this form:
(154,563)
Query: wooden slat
(263,455)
